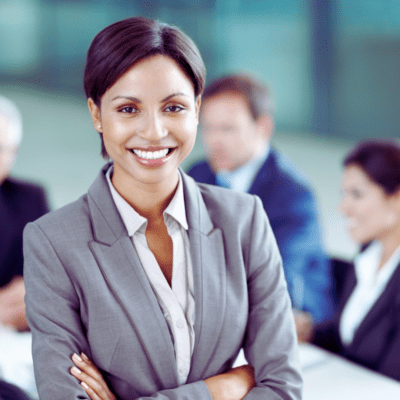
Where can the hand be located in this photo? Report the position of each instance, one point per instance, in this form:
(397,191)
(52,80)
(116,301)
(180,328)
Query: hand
(232,385)
(304,326)
(91,379)
(12,305)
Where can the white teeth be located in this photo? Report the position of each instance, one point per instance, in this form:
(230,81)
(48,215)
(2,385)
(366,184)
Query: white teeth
(151,155)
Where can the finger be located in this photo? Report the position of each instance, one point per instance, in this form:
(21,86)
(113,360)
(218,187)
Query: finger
(97,386)
(90,392)
(84,364)
(87,380)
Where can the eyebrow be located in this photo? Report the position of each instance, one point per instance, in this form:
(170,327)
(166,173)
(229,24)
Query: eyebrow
(136,100)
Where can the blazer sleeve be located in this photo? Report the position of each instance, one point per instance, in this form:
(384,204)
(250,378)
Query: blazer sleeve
(271,344)
(389,363)
(307,269)
(52,310)
(52,307)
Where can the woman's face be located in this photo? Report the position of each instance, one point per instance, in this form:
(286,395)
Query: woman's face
(371,214)
(149,120)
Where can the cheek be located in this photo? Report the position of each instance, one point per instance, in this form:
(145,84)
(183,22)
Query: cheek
(377,221)
(213,142)
(116,132)
(189,133)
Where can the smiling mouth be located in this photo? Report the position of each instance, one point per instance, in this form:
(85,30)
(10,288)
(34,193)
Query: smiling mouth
(152,155)
(351,222)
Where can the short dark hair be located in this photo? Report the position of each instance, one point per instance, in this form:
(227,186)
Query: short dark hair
(122,44)
(380,160)
(256,93)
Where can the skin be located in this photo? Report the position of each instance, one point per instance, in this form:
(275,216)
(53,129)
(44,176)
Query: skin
(227,125)
(8,149)
(371,215)
(12,306)
(152,107)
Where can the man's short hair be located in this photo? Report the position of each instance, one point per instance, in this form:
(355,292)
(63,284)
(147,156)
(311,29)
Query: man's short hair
(253,90)
(11,113)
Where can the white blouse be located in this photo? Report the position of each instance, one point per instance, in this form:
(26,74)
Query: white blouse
(371,283)
(176,302)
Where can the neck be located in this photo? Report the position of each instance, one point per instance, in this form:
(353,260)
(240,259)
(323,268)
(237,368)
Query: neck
(390,243)
(261,149)
(148,199)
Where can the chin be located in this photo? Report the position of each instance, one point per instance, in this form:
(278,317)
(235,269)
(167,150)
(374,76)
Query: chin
(362,240)
(358,237)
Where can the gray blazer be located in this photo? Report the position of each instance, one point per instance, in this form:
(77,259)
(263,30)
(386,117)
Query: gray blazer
(87,291)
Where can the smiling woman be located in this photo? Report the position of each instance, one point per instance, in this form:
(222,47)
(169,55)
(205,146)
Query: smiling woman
(148,121)
(365,328)
(150,284)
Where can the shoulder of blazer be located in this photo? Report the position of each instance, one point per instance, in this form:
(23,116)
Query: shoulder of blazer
(201,172)
(215,207)
(16,192)
(279,170)
(386,302)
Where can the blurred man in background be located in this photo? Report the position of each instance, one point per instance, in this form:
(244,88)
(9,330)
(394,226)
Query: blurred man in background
(237,124)
(20,203)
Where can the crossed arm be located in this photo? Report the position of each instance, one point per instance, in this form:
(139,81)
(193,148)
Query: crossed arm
(231,385)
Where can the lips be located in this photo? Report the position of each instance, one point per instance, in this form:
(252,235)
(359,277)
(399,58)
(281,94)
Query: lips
(351,222)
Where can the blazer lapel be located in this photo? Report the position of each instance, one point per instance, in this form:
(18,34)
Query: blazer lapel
(209,276)
(381,307)
(264,174)
(124,274)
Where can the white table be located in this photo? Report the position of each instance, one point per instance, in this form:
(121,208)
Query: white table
(16,365)
(330,377)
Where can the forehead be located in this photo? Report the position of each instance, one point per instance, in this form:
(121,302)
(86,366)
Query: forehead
(354,174)
(156,75)
(5,131)
(227,104)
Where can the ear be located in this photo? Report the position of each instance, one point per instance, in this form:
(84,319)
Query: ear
(96,115)
(266,126)
(395,197)
(197,107)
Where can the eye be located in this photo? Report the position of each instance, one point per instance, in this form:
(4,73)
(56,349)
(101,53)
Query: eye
(356,193)
(227,129)
(174,108)
(128,110)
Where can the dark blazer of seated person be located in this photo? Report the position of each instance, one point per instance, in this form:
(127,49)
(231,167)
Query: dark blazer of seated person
(366,326)
(376,342)
(11,392)
(20,203)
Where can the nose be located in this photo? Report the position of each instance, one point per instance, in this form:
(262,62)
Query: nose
(213,139)
(154,128)
(344,206)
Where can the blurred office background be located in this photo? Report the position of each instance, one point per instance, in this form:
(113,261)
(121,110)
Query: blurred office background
(333,66)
